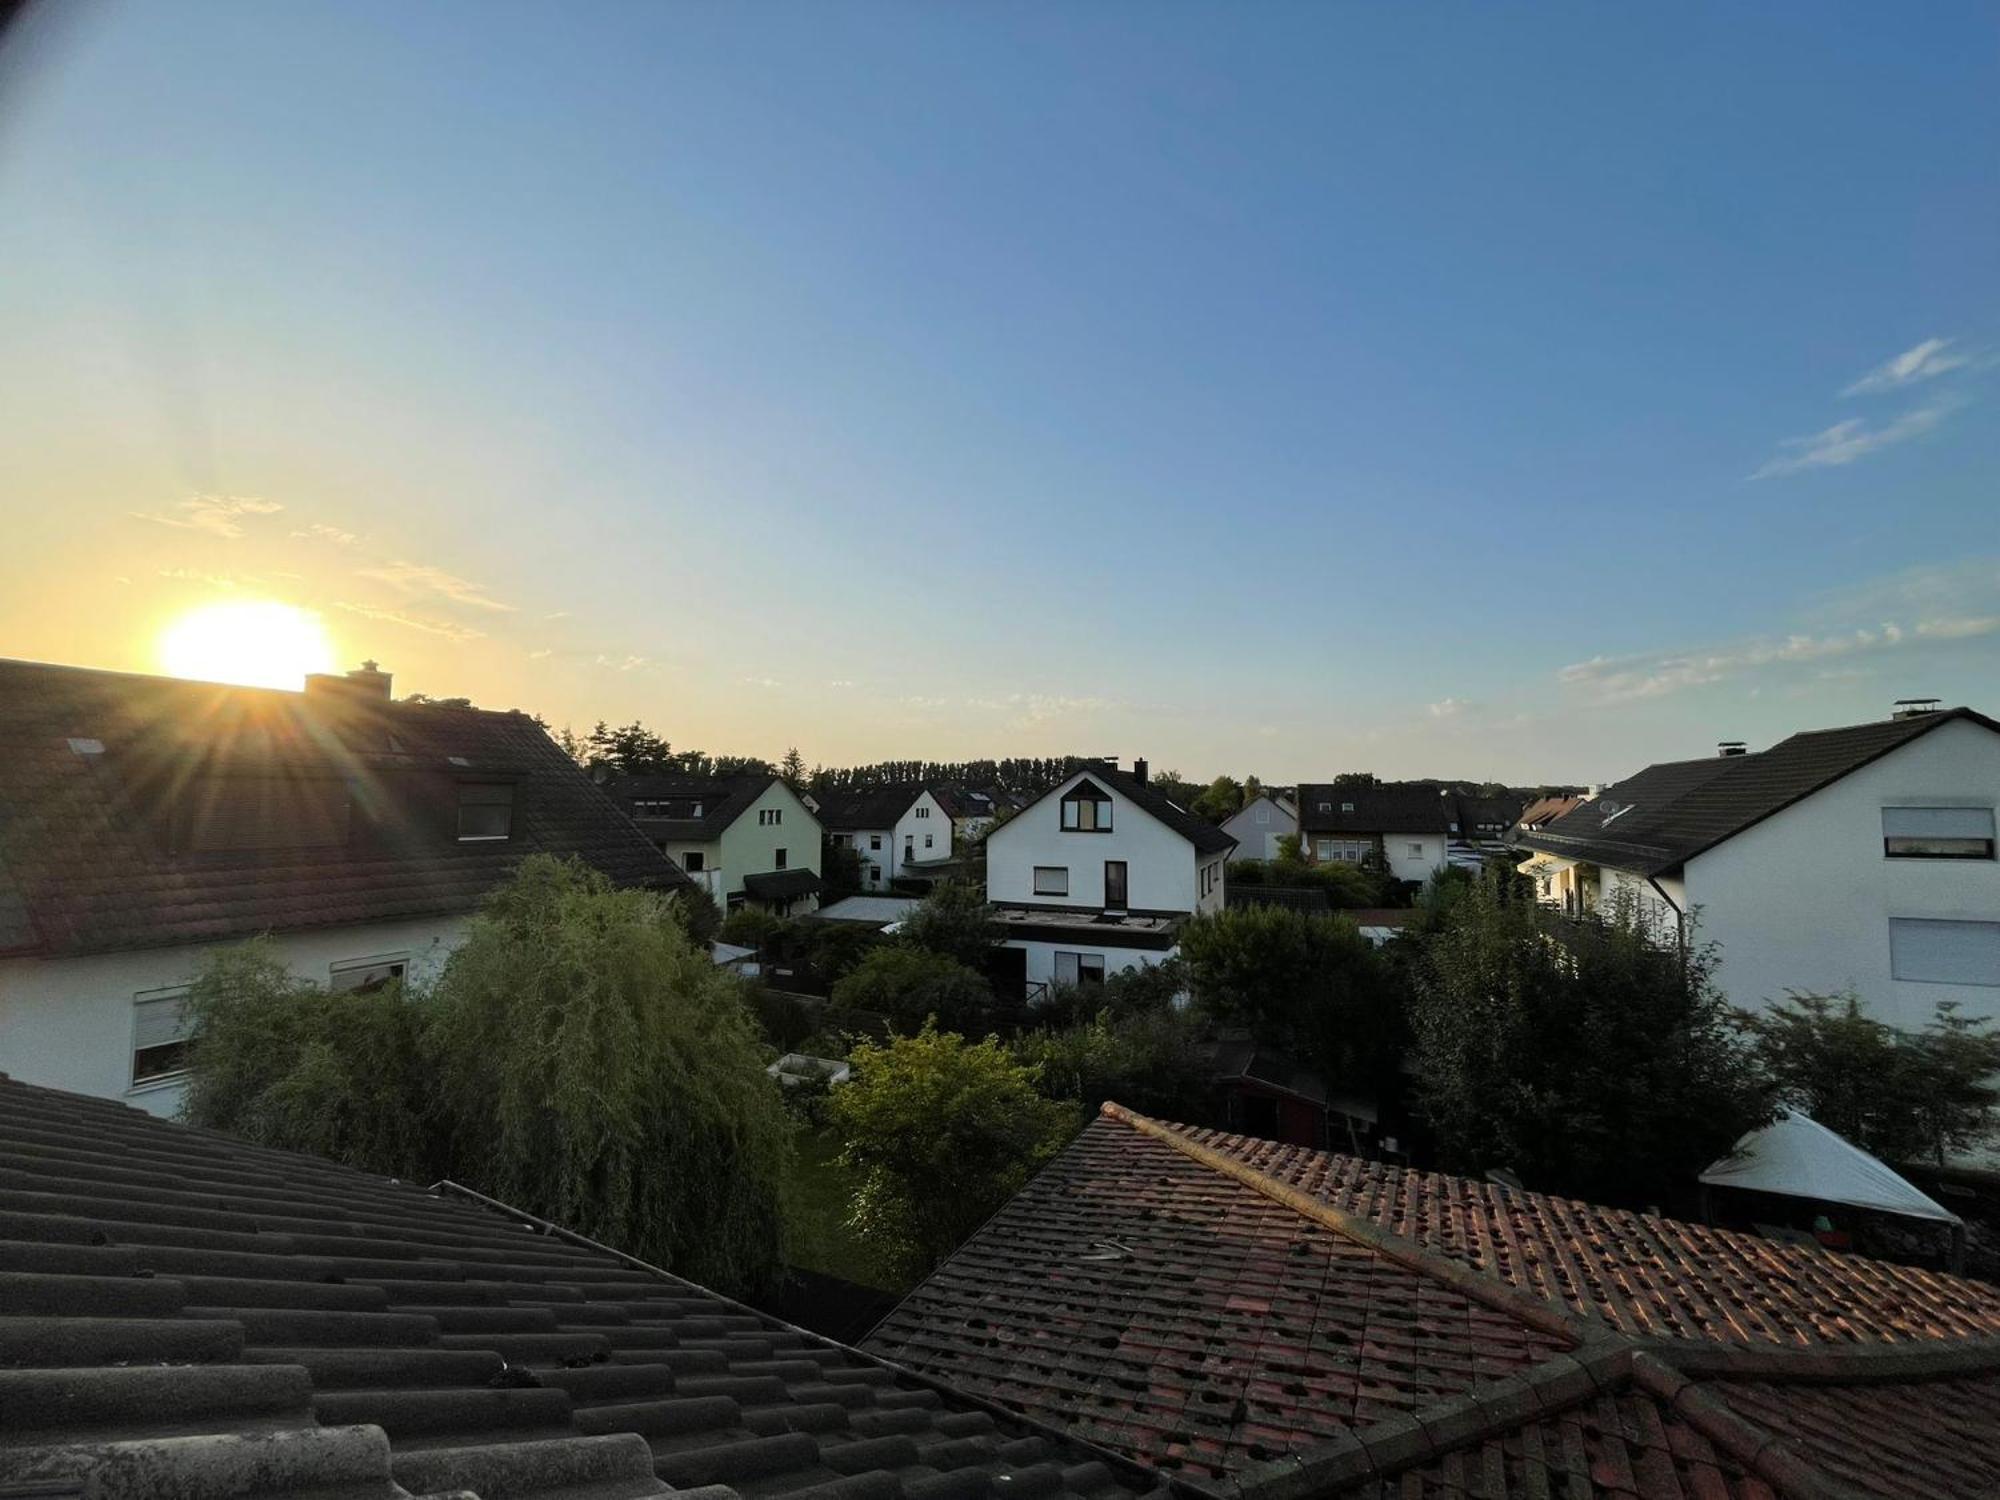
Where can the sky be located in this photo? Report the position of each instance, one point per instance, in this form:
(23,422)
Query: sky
(1509,392)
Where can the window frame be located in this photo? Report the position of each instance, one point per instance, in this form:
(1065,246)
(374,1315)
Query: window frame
(1897,961)
(1041,870)
(1100,814)
(699,857)
(511,803)
(1984,848)
(165,1076)
(340,969)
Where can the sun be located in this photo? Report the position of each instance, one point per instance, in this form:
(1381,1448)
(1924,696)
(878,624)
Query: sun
(252,642)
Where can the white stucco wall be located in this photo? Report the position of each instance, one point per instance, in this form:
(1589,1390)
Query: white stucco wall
(1042,957)
(1803,899)
(1160,863)
(67,1022)
(1427,861)
(923,818)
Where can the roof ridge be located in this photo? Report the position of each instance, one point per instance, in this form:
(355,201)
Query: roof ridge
(1543,1314)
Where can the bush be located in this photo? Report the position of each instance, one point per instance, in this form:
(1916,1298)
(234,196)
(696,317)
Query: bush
(580,1059)
(954,921)
(750,927)
(1578,1053)
(278,1060)
(1902,1095)
(1310,985)
(942,1132)
(1143,989)
(908,986)
(1151,1061)
(1347,886)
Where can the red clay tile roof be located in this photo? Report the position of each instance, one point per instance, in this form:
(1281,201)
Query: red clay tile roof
(99,772)
(1276,1323)
(191,1316)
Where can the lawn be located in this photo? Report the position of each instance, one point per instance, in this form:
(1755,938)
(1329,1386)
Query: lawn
(816,1231)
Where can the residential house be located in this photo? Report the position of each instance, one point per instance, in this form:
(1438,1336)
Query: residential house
(746,840)
(1275,1322)
(193,1316)
(1855,858)
(893,828)
(1541,812)
(1264,826)
(1098,874)
(1408,827)
(973,810)
(145,821)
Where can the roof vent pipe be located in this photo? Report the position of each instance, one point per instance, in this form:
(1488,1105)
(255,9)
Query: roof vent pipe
(1730,747)
(1915,708)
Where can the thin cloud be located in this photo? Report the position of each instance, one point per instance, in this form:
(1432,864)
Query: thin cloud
(1844,442)
(624,663)
(1448,708)
(1930,359)
(451,630)
(218,515)
(762,682)
(421,579)
(319,531)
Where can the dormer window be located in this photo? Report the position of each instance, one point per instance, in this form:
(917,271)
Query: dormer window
(485,811)
(1347,807)
(1086,809)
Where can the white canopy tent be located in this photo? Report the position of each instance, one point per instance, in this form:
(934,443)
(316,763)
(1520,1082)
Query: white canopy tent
(1798,1157)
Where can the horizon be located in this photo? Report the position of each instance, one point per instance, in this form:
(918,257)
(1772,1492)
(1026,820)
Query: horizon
(1237,390)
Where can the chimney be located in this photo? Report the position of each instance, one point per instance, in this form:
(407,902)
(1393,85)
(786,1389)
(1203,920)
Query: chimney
(1730,747)
(366,684)
(1915,708)
(1139,771)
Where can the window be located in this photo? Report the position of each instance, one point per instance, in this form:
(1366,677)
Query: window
(1416,851)
(1937,832)
(874,874)
(1263,812)
(1322,848)
(1939,952)
(1051,880)
(923,812)
(1079,968)
(161,1027)
(1085,809)
(874,841)
(1347,807)
(485,810)
(843,841)
(770,817)
(1351,851)
(366,975)
(1328,807)
(777,859)
(927,841)
(693,860)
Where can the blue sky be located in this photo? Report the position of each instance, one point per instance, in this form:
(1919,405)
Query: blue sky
(1439,390)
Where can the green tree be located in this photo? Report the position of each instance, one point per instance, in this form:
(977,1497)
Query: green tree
(953,920)
(793,768)
(942,1132)
(910,985)
(839,870)
(1358,779)
(284,1062)
(1311,985)
(631,750)
(1902,1095)
(1220,800)
(1580,1054)
(698,915)
(580,1058)
(1151,1061)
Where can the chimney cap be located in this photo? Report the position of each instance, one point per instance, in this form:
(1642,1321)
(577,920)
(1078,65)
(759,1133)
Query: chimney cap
(1912,708)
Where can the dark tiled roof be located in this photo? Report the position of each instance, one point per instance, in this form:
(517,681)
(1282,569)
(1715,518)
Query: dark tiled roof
(101,771)
(722,799)
(1377,809)
(1279,1322)
(183,1314)
(1664,816)
(781,885)
(1204,835)
(867,807)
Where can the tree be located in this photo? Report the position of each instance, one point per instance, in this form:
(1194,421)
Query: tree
(1580,1054)
(699,916)
(953,920)
(793,768)
(279,1060)
(580,1058)
(633,750)
(1357,779)
(910,986)
(839,870)
(1151,1061)
(1309,984)
(942,1132)
(1901,1095)
(1220,800)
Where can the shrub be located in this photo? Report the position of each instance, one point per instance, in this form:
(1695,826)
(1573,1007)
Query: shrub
(942,1132)
(954,921)
(907,986)
(1150,1061)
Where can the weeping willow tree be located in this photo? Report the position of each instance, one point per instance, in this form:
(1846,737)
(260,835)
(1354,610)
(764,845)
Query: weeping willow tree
(580,1058)
(597,1069)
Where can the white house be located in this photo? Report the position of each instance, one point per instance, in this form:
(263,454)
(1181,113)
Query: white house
(744,839)
(1098,874)
(1860,857)
(894,828)
(1410,827)
(1264,826)
(145,822)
